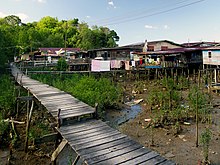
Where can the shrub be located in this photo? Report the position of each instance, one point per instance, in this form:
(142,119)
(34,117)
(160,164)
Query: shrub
(205,139)
(62,65)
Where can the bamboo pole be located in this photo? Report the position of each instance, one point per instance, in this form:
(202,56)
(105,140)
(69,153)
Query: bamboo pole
(29,114)
(197,122)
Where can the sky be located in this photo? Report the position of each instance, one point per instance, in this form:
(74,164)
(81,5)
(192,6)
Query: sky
(135,21)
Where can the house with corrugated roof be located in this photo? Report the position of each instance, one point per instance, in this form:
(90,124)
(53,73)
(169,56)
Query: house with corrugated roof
(56,53)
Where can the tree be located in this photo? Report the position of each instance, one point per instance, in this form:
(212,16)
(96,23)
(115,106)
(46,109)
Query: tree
(47,22)
(12,20)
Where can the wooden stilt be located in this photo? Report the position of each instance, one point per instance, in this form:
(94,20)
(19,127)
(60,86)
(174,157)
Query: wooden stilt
(29,114)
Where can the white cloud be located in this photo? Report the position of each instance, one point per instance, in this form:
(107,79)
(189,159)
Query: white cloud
(150,27)
(111,4)
(88,16)
(2,15)
(166,27)
(22,16)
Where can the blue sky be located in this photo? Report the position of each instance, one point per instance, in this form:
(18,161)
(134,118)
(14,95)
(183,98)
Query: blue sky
(133,20)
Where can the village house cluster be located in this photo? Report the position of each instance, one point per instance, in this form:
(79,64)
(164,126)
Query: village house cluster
(148,54)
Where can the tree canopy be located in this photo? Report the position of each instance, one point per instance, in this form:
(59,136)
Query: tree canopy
(19,38)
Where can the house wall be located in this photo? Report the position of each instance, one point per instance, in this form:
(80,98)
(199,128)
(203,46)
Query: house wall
(158,45)
(214,59)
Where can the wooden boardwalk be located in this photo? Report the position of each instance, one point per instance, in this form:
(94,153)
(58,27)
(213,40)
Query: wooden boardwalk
(93,140)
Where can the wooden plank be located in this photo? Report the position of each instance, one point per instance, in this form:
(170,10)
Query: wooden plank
(98,142)
(73,107)
(119,156)
(156,160)
(125,157)
(53,93)
(58,96)
(58,150)
(82,129)
(82,124)
(88,134)
(108,150)
(65,116)
(94,149)
(64,103)
(141,159)
(91,139)
(72,112)
(66,107)
(57,99)
(65,112)
(77,110)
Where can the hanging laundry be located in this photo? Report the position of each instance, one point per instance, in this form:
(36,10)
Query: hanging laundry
(141,62)
(127,66)
(113,63)
(133,63)
(99,66)
(116,64)
(95,67)
(104,65)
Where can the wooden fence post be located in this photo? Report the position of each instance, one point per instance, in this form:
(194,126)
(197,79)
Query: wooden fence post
(58,118)
(197,122)
(95,114)
(29,114)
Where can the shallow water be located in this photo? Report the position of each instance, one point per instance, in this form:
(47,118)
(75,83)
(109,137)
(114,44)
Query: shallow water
(118,117)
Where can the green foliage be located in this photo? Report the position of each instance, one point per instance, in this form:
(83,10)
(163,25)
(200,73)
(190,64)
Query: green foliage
(205,139)
(202,102)
(86,89)
(38,130)
(7,99)
(4,130)
(17,38)
(62,65)
(91,91)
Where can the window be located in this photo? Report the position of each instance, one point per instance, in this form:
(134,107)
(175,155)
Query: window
(150,48)
(164,47)
(210,54)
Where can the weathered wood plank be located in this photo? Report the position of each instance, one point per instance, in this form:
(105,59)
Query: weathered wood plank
(98,142)
(119,156)
(82,124)
(125,157)
(65,116)
(72,107)
(141,159)
(77,110)
(91,139)
(88,134)
(91,128)
(52,93)
(65,107)
(156,160)
(111,144)
(58,150)
(64,103)
(108,150)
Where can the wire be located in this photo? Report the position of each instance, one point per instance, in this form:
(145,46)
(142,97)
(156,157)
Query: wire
(153,14)
(132,13)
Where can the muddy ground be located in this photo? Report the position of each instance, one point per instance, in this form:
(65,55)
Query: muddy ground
(178,147)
